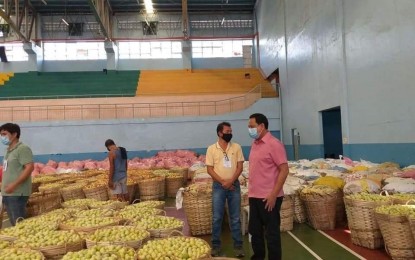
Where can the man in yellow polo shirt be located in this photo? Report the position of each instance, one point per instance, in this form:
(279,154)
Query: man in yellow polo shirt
(224,161)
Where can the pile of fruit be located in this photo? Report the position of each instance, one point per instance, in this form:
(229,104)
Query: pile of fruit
(119,234)
(396,210)
(94,213)
(4,244)
(81,203)
(88,222)
(18,253)
(133,213)
(320,190)
(111,252)
(48,238)
(174,248)
(369,197)
(149,204)
(159,222)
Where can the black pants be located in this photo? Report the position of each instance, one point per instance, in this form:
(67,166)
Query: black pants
(263,221)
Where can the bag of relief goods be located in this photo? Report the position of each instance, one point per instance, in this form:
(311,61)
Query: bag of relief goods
(292,185)
(362,185)
(332,182)
(399,185)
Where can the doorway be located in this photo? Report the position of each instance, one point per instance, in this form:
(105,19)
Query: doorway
(332,133)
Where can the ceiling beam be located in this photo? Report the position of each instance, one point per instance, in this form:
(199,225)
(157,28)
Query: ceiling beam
(5,14)
(185,20)
(103,14)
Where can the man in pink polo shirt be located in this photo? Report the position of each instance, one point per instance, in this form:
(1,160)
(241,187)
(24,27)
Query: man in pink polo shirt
(268,169)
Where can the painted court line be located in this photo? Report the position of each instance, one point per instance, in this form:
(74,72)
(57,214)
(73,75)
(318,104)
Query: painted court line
(306,247)
(340,244)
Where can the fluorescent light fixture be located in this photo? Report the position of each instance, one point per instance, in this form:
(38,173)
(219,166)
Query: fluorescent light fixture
(149,6)
(65,22)
(44,2)
(223,20)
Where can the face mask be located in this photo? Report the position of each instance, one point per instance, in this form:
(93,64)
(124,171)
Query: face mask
(5,140)
(227,137)
(253,132)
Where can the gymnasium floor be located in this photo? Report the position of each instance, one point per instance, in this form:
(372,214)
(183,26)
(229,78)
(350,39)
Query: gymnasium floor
(302,243)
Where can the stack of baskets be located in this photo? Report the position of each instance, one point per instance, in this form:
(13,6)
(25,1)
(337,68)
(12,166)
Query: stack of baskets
(320,202)
(364,229)
(287,214)
(72,192)
(183,171)
(198,208)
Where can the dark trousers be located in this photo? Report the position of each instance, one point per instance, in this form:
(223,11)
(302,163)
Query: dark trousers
(264,224)
(15,207)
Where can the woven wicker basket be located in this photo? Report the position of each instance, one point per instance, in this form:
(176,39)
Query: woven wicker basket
(72,193)
(363,226)
(341,219)
(412,225)
(321,210)
(300,213)
(183,171)
(57,252)
(98,193)
(40,203)
(132,189)
(136,244)
(198,209)
(287,214)
(173,184)
(397,234)
(151,189)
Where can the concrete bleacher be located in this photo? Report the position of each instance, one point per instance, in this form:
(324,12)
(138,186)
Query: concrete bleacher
(34,85)
(188,82)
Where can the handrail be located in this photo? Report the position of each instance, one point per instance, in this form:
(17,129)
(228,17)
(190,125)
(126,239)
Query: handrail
(129,109)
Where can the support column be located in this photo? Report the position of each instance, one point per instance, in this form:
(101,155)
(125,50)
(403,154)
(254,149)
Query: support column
(112,55)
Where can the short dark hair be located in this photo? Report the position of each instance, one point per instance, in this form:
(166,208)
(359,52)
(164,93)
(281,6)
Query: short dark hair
(220,126)
(11,128)
(260,119)
(109,142)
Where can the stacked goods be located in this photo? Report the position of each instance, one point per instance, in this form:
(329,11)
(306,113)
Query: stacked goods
(94,213)
(39,180)
(360,209)
(109,204)
(320,202)
(108,252)
(73,191)
(53,244)
(96,190)
(158,204)
(28,227)
(337,184)
(174,181)
(88,224)
(287,214)
(403,198)
(20,253)
(175,248)
(51,187)
(197,204)
(77,203)
(42,202)
(396,231)
(118,235)
(152,188)
(131,214)
(160,226)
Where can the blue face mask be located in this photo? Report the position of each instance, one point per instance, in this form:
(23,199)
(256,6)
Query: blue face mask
(5,140)
(253,132)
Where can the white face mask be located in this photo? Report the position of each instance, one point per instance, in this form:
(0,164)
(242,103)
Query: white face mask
(253,132)
(5,140)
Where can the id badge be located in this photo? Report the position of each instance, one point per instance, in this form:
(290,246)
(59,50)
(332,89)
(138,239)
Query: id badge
(4,165)
(227,163)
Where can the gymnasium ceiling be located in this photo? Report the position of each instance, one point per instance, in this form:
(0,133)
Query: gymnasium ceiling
(45,7)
